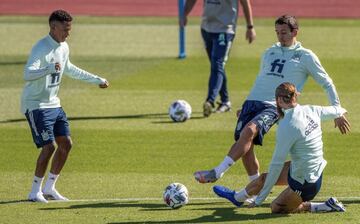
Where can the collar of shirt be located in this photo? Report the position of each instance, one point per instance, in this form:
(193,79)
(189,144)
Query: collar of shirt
(292,47)
(53,42)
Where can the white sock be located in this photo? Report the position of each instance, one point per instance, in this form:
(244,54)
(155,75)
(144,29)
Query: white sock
(36,185)
(50,182)
(242,195)
(224,166)
(319,207)
(254,177)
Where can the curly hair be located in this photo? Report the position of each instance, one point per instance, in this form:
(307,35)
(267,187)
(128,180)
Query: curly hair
(61,16)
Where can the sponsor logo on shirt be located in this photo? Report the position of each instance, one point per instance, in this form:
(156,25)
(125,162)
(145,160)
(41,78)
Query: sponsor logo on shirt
(311,126)
(277,67)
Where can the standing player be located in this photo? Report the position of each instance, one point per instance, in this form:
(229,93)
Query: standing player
(48,61)
(285,61)
(218,31)
(299,134)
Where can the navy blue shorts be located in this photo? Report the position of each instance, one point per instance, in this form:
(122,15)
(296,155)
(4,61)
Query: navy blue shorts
(264,115)
(306,191)
(46,124)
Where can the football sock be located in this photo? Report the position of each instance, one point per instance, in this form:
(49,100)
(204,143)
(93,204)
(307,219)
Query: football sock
(319,207)
(50,183)
(36,185)
(254,177)
(224,166)
(242,195)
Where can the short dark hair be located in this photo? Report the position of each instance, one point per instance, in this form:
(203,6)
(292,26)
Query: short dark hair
(61,16)
(288,20)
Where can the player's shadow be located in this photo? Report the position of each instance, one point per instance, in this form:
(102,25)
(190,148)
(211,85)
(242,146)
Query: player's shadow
(219,215)
(131,204)
(132,116)
(12,62)
(13,202)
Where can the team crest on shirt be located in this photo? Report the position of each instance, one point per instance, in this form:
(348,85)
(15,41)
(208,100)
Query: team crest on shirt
(45,135)
(296,56)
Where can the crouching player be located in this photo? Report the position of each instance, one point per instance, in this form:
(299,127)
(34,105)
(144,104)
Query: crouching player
(299,134)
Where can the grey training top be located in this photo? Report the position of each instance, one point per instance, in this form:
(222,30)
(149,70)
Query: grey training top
(220,16)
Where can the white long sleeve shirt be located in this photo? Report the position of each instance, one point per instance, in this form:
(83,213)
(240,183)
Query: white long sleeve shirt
(299,133)
(43,81)
(290,64)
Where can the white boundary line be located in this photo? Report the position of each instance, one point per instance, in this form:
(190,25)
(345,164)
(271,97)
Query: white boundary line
(190,199)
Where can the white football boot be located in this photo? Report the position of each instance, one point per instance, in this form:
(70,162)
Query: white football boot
(37,197)
(53,194)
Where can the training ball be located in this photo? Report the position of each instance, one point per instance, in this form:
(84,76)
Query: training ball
(176,195)
(180,111)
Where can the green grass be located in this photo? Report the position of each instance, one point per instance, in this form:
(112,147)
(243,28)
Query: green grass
(126,150)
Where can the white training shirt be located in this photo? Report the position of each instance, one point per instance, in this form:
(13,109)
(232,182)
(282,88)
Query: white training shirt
(290,64)
(43,81)
(220,16)
(299,133)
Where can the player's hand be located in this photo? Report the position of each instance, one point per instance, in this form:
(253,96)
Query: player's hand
(104,85)
(252,205)
(57,67)
(343,124)
(250,35)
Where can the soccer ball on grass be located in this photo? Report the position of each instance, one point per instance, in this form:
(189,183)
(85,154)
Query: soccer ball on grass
(176,195)
(180,111)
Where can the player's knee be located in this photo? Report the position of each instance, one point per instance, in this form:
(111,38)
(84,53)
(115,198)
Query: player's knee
(48,149)
(66,145)
(249,132)
(46,153)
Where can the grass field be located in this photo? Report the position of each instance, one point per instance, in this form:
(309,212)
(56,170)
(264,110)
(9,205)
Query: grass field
(126,149)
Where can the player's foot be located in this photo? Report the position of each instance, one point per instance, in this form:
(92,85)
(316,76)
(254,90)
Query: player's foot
(251,199)
(228,194)
(208,108)
(205,176)
(37,197)
(335,205)
(223,107)
(54,195)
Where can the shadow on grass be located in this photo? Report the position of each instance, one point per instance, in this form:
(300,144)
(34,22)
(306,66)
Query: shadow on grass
(12,63)
(14,202)
(133,116)
(128,204)
(219,215)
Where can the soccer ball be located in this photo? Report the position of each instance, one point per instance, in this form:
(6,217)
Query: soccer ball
(176,195)
(180,111)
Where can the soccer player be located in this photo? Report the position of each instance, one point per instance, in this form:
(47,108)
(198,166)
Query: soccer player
(48,61)
(285,61)
(299,134)
(218,31)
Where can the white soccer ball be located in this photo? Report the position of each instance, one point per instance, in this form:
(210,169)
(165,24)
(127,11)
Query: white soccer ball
(180,111)
(176,195)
